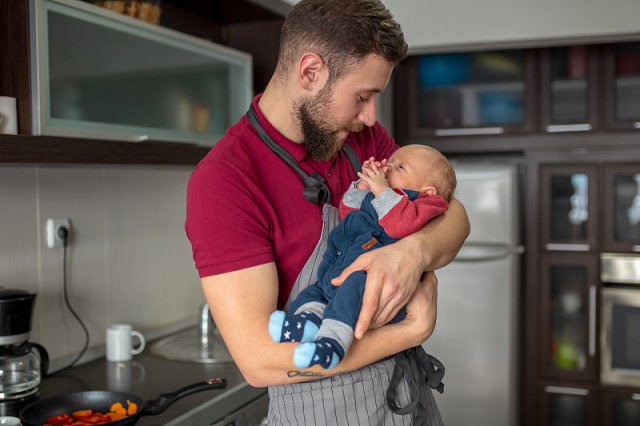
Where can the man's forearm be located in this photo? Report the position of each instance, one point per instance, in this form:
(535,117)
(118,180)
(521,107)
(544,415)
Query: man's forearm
(440,240)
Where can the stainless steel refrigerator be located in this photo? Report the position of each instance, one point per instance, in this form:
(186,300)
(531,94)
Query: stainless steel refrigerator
(476,331)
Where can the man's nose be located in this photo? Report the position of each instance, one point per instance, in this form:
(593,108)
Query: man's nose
(368,113)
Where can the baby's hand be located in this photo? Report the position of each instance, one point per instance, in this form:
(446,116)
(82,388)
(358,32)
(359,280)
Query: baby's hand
(373,174)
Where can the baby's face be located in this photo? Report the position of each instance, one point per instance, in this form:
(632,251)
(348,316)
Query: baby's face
(407,169)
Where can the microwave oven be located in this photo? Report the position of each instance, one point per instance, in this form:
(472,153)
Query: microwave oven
(620,319)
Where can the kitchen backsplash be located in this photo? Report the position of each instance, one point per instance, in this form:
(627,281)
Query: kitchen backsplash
(129,259)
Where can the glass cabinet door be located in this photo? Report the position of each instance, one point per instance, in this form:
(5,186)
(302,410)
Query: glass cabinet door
(568,313)
(568,207)
(567,406)
(470,93)
(622,218)
(623,85)
(621,407)
(568,83)
(104,75)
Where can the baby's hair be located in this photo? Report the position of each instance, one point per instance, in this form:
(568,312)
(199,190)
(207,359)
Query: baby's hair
(441,171)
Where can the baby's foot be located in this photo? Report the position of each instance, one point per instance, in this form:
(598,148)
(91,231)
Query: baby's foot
(302,327)
(324,352)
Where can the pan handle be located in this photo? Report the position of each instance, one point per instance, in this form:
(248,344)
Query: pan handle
(161,403)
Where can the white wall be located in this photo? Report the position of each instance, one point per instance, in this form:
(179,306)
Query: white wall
(449,25)
(129,258)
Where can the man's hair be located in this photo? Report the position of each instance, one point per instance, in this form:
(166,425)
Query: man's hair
(341,32)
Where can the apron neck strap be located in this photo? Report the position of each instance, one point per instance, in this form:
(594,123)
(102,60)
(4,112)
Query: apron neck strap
(315,188)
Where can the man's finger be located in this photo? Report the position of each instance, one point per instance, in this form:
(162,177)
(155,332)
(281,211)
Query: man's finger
(356,265)
(370,301)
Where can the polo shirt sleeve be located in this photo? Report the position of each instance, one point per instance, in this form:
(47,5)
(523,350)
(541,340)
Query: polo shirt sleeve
(226,228)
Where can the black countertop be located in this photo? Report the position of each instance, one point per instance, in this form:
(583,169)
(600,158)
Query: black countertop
(148,375)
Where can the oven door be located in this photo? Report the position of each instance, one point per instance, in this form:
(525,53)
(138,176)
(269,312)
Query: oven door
(620,336)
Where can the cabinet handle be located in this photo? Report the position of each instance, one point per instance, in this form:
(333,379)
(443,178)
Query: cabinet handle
(470,131)
(592,320)
(566,391)
(567,247)
(555,128)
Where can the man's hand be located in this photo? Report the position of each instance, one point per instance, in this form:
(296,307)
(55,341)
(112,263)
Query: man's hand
(393,273)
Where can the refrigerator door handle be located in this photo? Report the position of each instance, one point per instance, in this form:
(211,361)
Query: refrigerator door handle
(481,252)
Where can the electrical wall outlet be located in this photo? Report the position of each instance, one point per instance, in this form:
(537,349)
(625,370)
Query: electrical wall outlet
(53,226)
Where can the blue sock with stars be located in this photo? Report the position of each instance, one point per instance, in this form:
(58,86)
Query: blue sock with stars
(285,327)
(325,352)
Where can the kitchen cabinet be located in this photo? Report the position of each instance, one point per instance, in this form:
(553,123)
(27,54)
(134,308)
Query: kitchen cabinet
(568,89)
(104,75)
(470,93)
(567,405)
(620,406)
(519,100)
(580,204)
(622,212)
(587,207)
(568,207)
(239,24)
(568,292)
(622,90)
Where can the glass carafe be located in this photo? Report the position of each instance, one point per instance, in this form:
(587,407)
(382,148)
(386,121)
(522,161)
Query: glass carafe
(22,367)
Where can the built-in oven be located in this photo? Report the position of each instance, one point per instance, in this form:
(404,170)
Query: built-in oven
(620,319)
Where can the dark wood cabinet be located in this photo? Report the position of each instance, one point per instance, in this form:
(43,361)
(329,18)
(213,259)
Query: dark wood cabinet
(568,95)
(580,204)
(622,85)
(568,207)
(620,407)
(621,206)
(568,317)
(460,94)
(567,404)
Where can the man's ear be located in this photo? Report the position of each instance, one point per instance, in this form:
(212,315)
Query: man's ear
(430,190)
(312,72)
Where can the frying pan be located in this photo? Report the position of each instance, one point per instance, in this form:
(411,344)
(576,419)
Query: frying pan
(37,413)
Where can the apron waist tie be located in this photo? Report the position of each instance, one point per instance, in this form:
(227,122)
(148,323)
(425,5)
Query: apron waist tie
(419,368)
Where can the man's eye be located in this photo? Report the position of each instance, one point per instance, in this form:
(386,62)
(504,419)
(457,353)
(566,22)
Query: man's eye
(362,99)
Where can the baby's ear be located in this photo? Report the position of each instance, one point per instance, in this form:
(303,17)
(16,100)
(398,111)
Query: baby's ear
(430,190)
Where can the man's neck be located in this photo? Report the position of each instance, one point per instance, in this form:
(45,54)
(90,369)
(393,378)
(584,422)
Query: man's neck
(278,108)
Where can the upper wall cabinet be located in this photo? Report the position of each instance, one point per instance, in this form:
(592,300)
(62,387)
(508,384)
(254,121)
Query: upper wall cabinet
(456,94)
(568,92)
(103,75)
(567,89)
(622,95)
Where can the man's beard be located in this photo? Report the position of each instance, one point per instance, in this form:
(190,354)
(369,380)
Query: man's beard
(320,139)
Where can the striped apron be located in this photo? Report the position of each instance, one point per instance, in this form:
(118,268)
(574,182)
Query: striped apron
(358,397)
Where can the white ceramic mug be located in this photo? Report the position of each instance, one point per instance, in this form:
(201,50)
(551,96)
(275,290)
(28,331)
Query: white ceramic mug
(8,116)
(10,421)
(120,342)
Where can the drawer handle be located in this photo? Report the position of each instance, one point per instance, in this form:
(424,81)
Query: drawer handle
(470,131)
(554,128)
(567,247)
(566,391)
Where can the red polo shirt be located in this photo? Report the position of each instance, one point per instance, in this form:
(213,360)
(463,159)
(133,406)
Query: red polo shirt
(245,205)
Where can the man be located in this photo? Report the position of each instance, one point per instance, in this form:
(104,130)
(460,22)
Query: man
(256,238)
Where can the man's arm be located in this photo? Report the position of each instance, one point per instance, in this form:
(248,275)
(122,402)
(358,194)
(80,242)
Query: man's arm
(242,301)
(393,271)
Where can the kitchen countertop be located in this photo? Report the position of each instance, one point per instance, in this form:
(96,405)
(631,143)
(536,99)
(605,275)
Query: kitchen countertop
(148,375)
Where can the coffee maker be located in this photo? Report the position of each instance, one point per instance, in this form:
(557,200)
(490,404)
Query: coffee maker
(23,364)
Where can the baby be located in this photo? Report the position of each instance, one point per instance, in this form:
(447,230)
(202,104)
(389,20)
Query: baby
(392,199)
